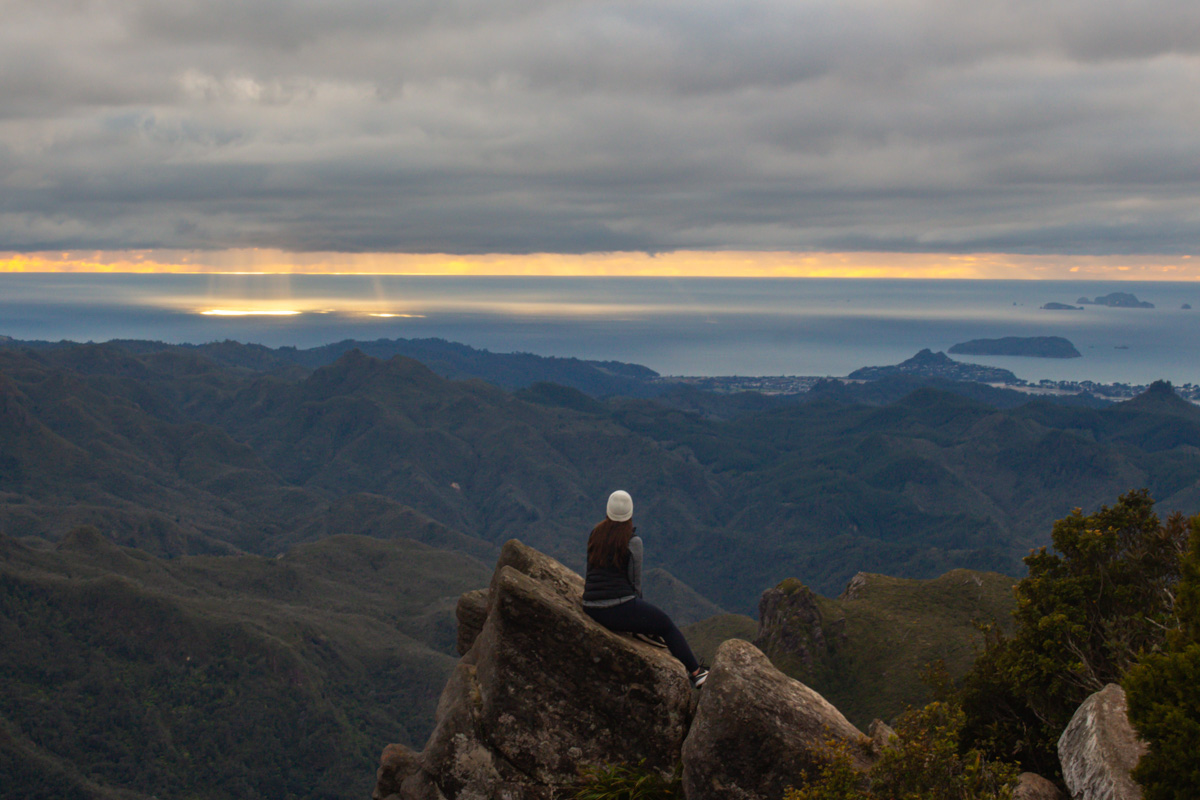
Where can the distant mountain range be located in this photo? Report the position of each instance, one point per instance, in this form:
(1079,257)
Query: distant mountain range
(448,359)
(172,451)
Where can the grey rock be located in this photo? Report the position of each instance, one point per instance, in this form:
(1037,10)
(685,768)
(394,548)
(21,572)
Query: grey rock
(856,585)
(539,566)
(1099,748)
(757,731)
(396,764)
(1034,787)
(471,613)
(544,690)
(880,734)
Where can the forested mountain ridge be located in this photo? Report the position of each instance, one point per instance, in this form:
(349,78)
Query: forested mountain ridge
(172,452)
(449,359)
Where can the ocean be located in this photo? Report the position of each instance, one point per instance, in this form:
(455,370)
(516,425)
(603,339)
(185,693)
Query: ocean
(677,326)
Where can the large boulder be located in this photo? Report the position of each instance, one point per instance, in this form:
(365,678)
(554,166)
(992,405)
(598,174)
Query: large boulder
(1031,786)
(1099,749)
(396,764)
(541,691)
(757,731)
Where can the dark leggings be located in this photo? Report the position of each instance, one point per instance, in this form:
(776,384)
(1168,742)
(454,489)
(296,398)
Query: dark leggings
(638,616)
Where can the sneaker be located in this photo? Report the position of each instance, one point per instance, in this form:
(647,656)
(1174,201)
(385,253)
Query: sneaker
(650,638)
(698,677)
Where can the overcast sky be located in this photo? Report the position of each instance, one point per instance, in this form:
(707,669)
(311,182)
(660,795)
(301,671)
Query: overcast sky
(576,126)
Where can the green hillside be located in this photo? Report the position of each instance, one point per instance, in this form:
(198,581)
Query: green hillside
(866,650)
(706,636)
(219,677)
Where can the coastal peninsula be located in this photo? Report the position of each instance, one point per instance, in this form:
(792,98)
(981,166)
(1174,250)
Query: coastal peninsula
(928,364)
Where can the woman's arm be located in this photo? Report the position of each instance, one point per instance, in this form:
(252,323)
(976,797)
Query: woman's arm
(635,564)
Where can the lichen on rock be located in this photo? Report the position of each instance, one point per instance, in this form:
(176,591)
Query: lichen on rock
(757,731)
(1099,748)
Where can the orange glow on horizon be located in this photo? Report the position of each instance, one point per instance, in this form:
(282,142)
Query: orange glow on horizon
(678,264)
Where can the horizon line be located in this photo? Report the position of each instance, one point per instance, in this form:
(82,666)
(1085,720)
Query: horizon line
(628,264)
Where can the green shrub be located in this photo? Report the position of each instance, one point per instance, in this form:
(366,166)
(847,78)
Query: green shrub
(837,779)
(625,782)
(1164,695)
(923,762)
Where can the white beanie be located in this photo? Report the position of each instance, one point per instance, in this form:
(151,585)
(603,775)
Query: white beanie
(620,506)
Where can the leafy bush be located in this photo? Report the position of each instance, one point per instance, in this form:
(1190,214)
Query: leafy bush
(1164,695)
(1084,614)
(923,762)
(625,782)
(837,779)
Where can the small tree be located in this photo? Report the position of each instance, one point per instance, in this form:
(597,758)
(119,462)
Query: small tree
(1084,614)
(1163,691)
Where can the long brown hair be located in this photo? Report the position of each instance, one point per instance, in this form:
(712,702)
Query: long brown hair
(608,544)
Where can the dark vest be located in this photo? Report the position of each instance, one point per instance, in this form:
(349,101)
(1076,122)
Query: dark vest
(607,583)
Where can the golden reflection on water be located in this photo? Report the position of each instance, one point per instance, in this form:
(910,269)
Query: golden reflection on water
(243,312)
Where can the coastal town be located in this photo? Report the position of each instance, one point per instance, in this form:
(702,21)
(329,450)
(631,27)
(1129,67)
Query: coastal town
(801,384)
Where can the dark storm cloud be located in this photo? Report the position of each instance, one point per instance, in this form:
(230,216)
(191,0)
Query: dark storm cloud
(536,125)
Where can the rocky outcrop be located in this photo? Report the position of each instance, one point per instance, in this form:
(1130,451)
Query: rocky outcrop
(757,731)
(542,568)
(1099,748)
(542,691)
(790,622)
(1034,787)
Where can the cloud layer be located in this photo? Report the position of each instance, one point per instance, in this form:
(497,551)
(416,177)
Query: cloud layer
(513,126)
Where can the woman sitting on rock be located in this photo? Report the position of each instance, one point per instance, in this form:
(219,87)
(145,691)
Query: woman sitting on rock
(612,593)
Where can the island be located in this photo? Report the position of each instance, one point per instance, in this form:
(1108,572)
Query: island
(1029,346)
(1116,300)
(1186,307)
(928,364)
(1061,307)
